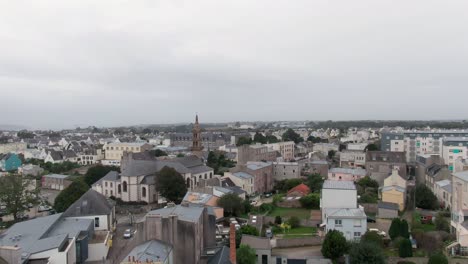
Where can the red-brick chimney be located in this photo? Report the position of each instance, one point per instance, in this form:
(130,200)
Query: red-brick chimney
(232,244)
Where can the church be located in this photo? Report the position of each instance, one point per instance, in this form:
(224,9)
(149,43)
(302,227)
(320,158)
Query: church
(137,180)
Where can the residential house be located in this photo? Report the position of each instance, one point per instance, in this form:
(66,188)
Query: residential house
(189,229)
(55,181)
(78,235)
(9,162)
(394,190)
(352,158)
(459,221)
(285,149)
(443,192)
(244,180)
(54,156)
(379,164)
(338,195)
(261,245)
(346,174)
(435,173)
(325,147)
(300,190)
(460,165)
(286,170)
(352,222)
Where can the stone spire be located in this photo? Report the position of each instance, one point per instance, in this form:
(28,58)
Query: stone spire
(197,145)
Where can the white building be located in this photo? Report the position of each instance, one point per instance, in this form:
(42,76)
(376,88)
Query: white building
(286,149)
(351,222)
(338,195)
(243,180)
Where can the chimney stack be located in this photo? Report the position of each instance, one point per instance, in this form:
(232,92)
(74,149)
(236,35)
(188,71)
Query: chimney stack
(232,244)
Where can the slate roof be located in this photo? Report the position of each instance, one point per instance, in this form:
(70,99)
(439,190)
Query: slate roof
(461,175)
(357,171)
(256,242)
(90,203)
(389,188)
(387,205)
(340,185)
(348,213)
(56,155)
(257,165)
(153,251)
(185,213)
(221,257)
(242,175)
(56,176)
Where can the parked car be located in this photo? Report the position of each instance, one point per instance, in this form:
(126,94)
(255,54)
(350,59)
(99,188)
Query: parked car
(381,233)
(128,233)
(370,220)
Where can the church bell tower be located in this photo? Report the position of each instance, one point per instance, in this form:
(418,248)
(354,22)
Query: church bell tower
(197,145)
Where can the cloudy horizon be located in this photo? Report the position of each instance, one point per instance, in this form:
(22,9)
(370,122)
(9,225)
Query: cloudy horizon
(112,63)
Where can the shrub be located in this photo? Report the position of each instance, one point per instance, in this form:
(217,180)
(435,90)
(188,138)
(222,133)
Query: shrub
(405,249)
(311,201)
(438,258)
(294,222)
(278,220)
(334,245)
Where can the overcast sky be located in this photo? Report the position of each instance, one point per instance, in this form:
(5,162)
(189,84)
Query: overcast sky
(110,63)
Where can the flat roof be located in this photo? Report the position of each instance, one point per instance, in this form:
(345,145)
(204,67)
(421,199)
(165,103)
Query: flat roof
(340,185)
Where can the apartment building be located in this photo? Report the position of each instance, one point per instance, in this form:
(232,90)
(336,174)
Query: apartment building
(454,148)
(459,221)
(113,152)
(418,142)
(285,149)
(353,158)
(257,152)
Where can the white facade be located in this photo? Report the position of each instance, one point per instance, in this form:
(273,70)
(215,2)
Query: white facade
(351,222)
(286,149)
(243,180)
(337,195)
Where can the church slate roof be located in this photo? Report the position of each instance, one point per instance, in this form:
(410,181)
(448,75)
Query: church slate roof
(90,203)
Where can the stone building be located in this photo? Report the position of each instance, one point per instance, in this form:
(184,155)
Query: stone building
(380,164)
(257,152)
(188,228)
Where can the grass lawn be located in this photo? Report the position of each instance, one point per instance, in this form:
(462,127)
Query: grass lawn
(301,213)
(298,232)
(427,227)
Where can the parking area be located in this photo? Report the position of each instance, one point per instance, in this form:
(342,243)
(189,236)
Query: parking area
(381,224)
(49,195)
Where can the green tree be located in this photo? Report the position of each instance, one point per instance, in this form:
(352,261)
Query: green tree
(70,194)
(366,253)
(331,154)
(25,134)
(314,139)
(284,186)
(16,193)
(95,173)
(438,258)
(368,182)
(212,160)
(171,185)
(395,229)
(271,139)
(246,255)
(290,135)
(404,229)
(441,223)
(315,182)
(259,138)
(334,245)
(249,230)
(406,249)
(231,203)
(294,221)
(158,153)
(368,198)
(372,147)
(278,220)
(425,198)
(277,198)
(372,237)
(310,201)
(244,141)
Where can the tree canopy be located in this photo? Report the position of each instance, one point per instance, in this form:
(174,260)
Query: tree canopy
(315,182)
(398,228)
(314,139)
(425,198)
(232,204)
(310,201)
(366,253)
(334,245)
(16,193)
(441,223)
(70,195)
(171,185)
(246,255)
(95,173)
(244,141)
(290,135)
(406,249)
(372,147)
(158,153)
(284,186)
(219,163)
(438,258)
(372,237)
